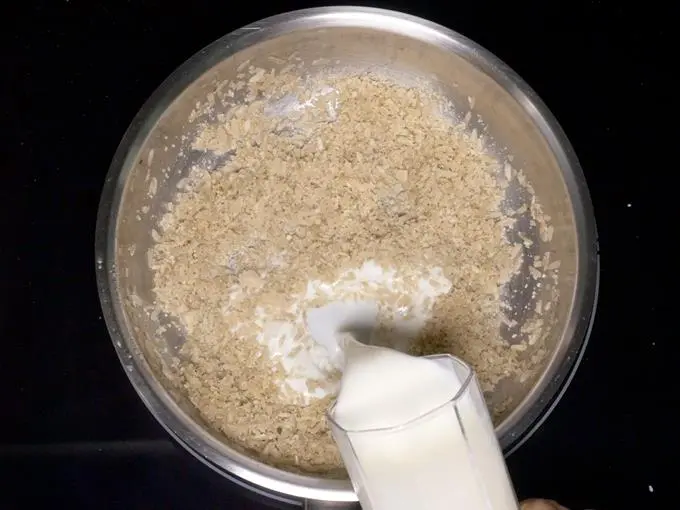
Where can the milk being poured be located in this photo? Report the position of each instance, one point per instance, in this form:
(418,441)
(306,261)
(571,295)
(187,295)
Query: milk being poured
(415,433)
(367,300)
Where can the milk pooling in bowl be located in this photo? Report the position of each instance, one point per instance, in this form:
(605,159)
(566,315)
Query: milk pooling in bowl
(415,433)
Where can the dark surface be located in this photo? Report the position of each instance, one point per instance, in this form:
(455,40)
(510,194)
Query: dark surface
(72,431)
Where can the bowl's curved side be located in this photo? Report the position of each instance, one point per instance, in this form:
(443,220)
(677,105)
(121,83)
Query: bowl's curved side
(548,390)
(247,472)
(255,475)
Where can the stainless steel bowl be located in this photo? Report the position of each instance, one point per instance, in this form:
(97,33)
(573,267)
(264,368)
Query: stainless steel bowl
(514,117)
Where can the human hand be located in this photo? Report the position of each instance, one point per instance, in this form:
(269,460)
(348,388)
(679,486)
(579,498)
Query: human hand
(540,504)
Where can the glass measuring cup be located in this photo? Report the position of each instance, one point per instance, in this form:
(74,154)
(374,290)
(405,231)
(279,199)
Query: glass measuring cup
(447,458)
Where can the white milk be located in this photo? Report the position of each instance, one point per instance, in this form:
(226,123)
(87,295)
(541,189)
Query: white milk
(300,335)
(447,460)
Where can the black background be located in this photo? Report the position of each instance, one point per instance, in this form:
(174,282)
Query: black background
(72,431)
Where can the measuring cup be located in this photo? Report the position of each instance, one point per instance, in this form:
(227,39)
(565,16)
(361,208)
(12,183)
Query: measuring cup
(446,459)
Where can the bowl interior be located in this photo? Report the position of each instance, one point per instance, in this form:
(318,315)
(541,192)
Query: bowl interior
(410,53)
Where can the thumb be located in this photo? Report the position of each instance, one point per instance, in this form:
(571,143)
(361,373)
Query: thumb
(540,504)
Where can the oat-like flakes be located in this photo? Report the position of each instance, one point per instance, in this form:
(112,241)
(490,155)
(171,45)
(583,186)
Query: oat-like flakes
(368,171)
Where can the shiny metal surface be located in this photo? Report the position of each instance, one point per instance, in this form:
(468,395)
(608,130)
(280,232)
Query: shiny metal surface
(515,118)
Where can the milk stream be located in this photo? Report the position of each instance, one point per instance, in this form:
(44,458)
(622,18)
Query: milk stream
(406,445)
(301,338)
